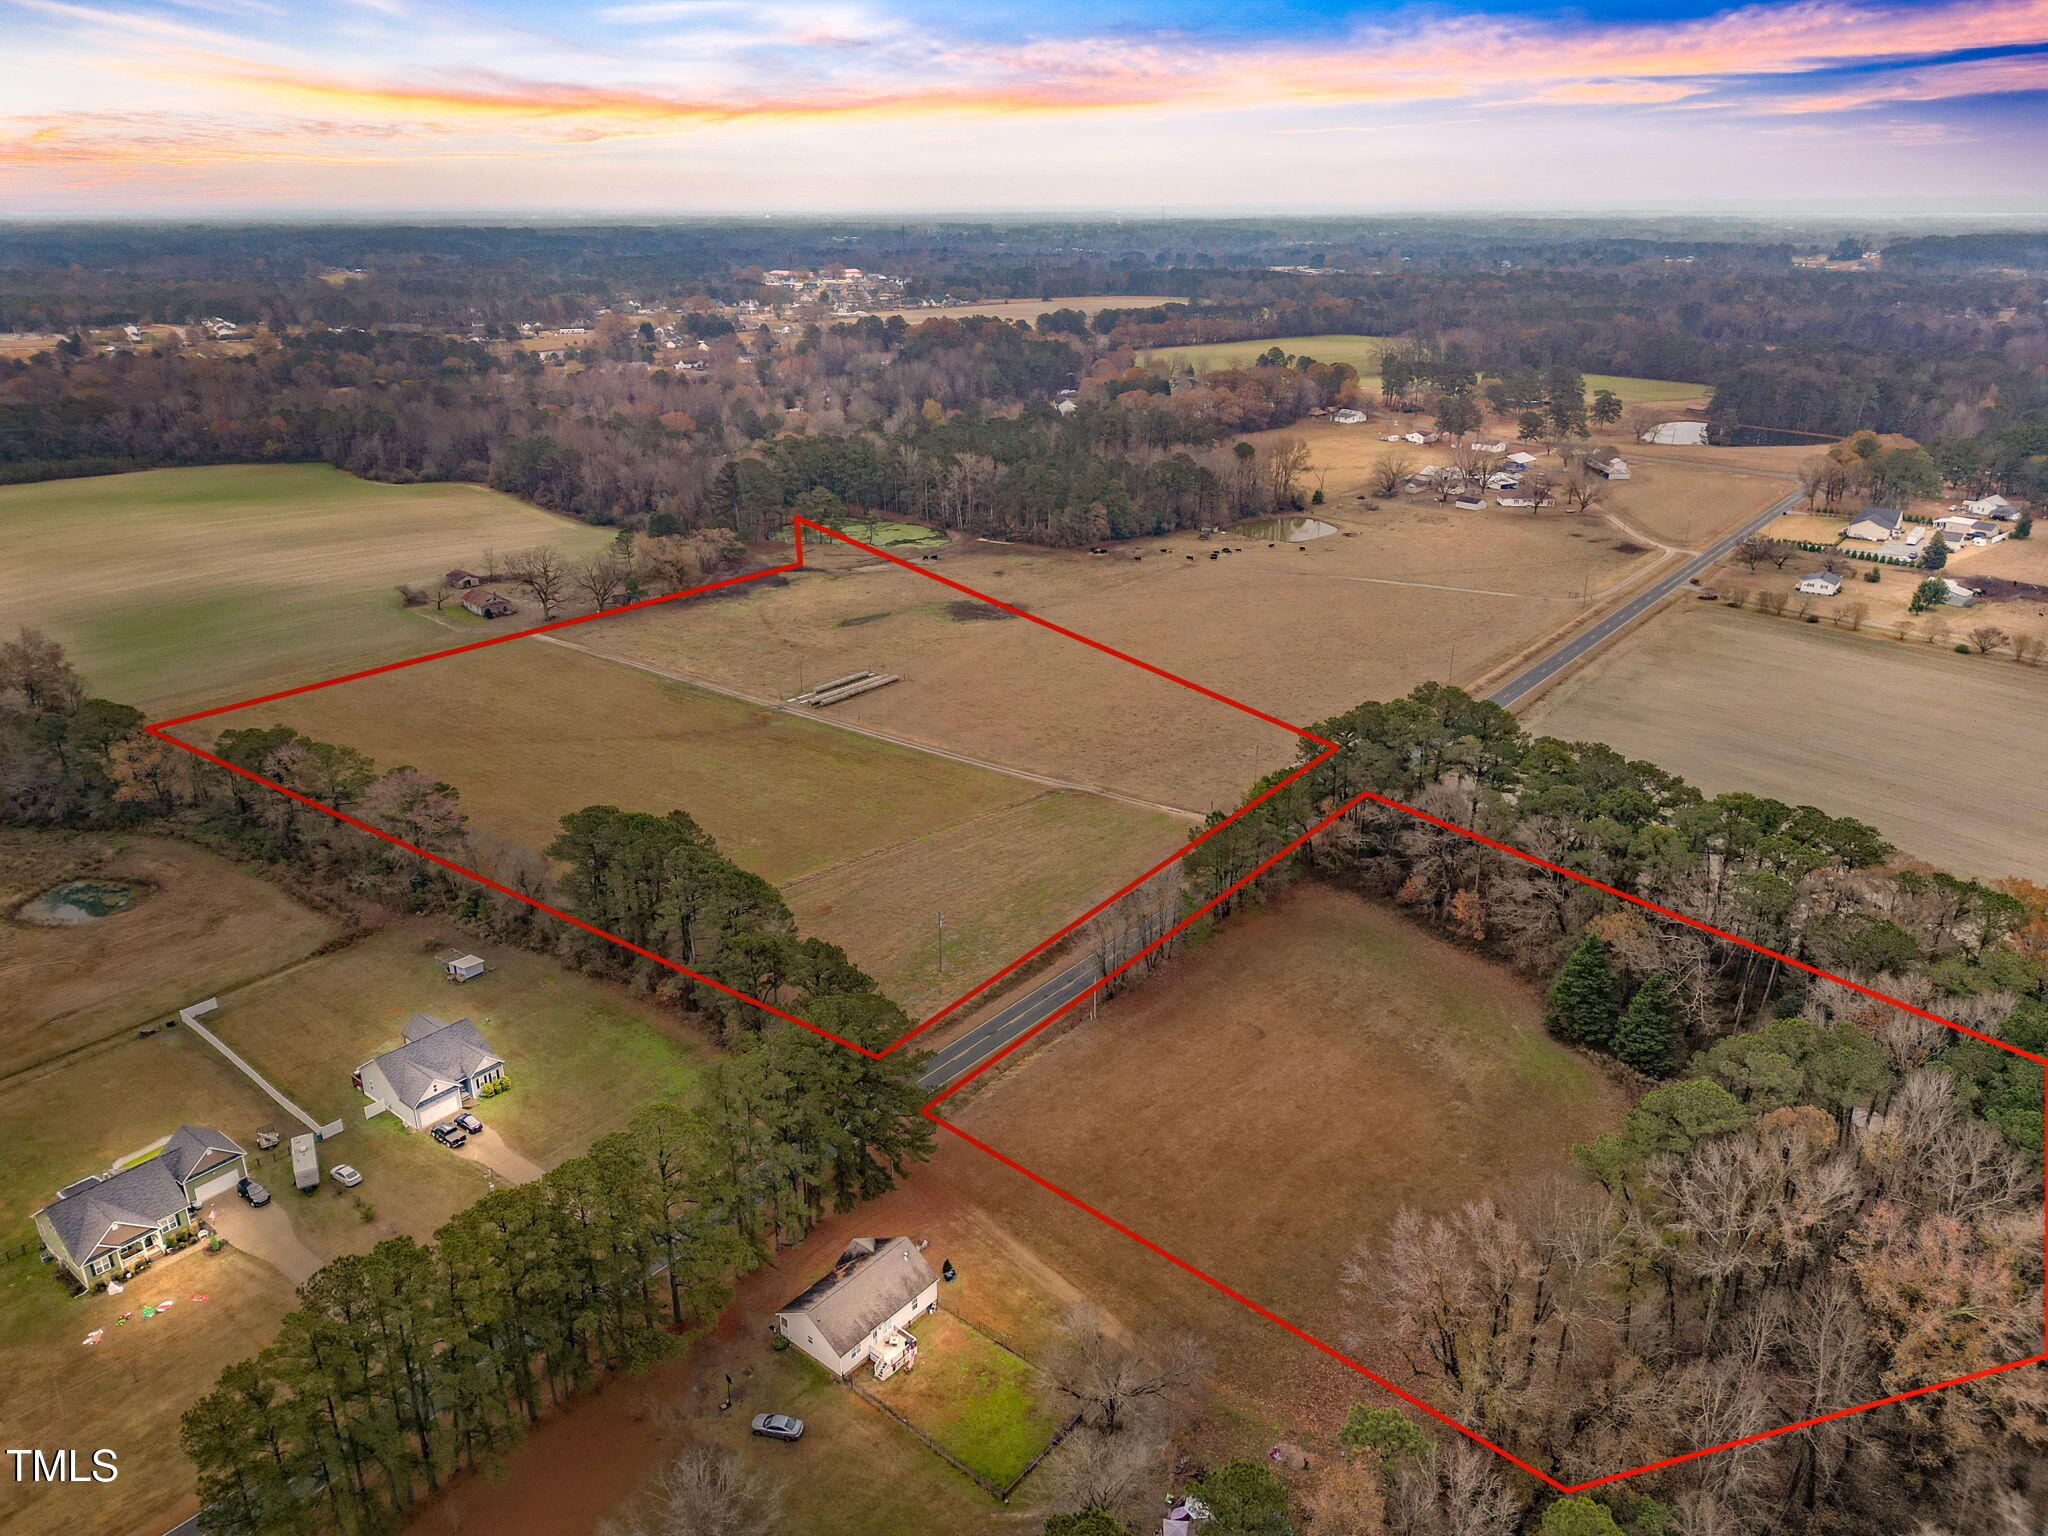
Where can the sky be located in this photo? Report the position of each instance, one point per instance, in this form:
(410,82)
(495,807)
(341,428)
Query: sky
(286,107)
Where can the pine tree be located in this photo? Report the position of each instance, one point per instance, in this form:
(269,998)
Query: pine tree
(1585,1000)
(1645,1038)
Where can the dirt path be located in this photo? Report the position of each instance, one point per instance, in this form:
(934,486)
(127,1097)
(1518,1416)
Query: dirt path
(264,1234)
(1026,774)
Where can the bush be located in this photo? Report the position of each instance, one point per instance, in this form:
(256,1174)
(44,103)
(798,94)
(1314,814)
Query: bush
(1962,650)
(1813,618)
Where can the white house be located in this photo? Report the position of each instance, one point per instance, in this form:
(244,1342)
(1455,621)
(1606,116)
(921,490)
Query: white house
(1820,584)
(1959,530)
(1524,459)
(1992,506)
(428,1078)
(1678,434)
(1874,525)
(107,1224)
(1955,594)
(1348,417)
(862,1311)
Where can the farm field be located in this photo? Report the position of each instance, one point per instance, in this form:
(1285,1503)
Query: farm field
(1361,352)
(1635,391)
(1340,1064)
(873,840)
(182,584)
(202,925)
(1856,725)
(1002,882)
(1415,593)
(1031,309)
(1689,506)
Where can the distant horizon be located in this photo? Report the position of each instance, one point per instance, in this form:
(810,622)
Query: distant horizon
(634,108)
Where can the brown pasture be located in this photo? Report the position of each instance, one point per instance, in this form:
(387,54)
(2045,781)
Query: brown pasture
(1939,752)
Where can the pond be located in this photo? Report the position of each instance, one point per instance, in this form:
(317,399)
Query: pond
(1285,530)
(81,901)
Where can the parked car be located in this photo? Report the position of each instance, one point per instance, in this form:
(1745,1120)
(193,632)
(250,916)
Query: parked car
(449,1134)
(252,1192)
(469,1122)
(344,1175)
(778,1426)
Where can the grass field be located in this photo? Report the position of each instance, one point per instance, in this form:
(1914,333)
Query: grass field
(1031,309)
(1687,505)
(1271,1099)
(1856,725)
(984,1404)
(1415,593)
(1634,391)
(876,840)
(180,584)
(1002,881)
(1361,352)
(203,925)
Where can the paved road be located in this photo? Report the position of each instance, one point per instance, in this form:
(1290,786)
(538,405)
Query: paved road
(963,1055)
(1570,650)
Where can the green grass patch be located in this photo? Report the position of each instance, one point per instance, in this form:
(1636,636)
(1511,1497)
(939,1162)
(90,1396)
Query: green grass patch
(1361,352)
(972,1396)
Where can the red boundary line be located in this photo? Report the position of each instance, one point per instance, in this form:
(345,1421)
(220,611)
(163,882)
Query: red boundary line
(161,730)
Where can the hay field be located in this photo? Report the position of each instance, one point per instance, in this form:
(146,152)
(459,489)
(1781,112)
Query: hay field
(1268,1101)
(181,584)
(1416,593)
(1361,352)
(1002,883)
(1031,309)
(872,839)
(1635,391)
(1687,505)
(203,925)
(1856,725)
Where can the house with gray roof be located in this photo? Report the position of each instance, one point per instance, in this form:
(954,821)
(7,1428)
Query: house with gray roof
(438,1069)
(108,1224)
(1875,525)
(861,1312)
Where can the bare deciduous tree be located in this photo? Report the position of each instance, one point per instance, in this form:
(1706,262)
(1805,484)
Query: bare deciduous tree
(543,572)
(1109,1379)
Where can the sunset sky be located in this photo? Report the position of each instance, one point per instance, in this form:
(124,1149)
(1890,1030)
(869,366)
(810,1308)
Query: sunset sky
(698,106)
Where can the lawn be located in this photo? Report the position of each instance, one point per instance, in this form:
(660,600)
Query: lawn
(202,926)
(581,1055)
(183,584)
(1361,352)
(1858,725)
(126,1393)
(1634,391)
(973,1397)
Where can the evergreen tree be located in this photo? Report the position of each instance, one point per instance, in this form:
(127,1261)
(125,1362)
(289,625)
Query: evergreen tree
(1585,1000)
(1578,1516)
(1646,1036)
(1387,1433)
(1244,1499)
(1937,554)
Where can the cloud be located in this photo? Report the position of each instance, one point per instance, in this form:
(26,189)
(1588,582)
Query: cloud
(1932,82)
(1615,93)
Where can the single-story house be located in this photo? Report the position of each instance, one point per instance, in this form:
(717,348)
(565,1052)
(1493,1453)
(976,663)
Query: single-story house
(462,581)
(1678,434)
(103,1226)
(431,1076)
(1969,530)
(1992,506)
(1524,459)
(862,1310)
(1348,417)
(1874,525)
(1605,461)
(1820,583)
(487,605)
(1955,594)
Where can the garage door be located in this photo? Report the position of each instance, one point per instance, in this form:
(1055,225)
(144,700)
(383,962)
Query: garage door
(214,1184)
(439,1109)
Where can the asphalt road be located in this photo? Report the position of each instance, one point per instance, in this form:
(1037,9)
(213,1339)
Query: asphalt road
(1570,650)
(963,1055)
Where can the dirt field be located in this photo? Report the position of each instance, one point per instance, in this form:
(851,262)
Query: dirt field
(175,584)
(1857,725)
(202,926)
(874,840)
(1272,1099)
(1687,505)
(1031,309)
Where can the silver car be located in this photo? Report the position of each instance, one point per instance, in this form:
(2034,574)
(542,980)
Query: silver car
(345,1176)
(778,1426)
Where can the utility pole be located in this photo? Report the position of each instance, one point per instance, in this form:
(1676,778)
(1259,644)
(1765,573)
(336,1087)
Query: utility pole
(942,942)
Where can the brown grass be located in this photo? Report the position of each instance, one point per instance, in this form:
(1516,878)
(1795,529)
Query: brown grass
(203,927)
(1940,752)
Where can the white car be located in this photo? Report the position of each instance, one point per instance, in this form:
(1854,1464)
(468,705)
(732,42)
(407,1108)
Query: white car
(345,1176)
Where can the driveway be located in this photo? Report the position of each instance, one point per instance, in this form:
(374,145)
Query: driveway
(489,1148)
(267,1234)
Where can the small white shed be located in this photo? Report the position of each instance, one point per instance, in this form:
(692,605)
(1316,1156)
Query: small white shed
(465,968)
